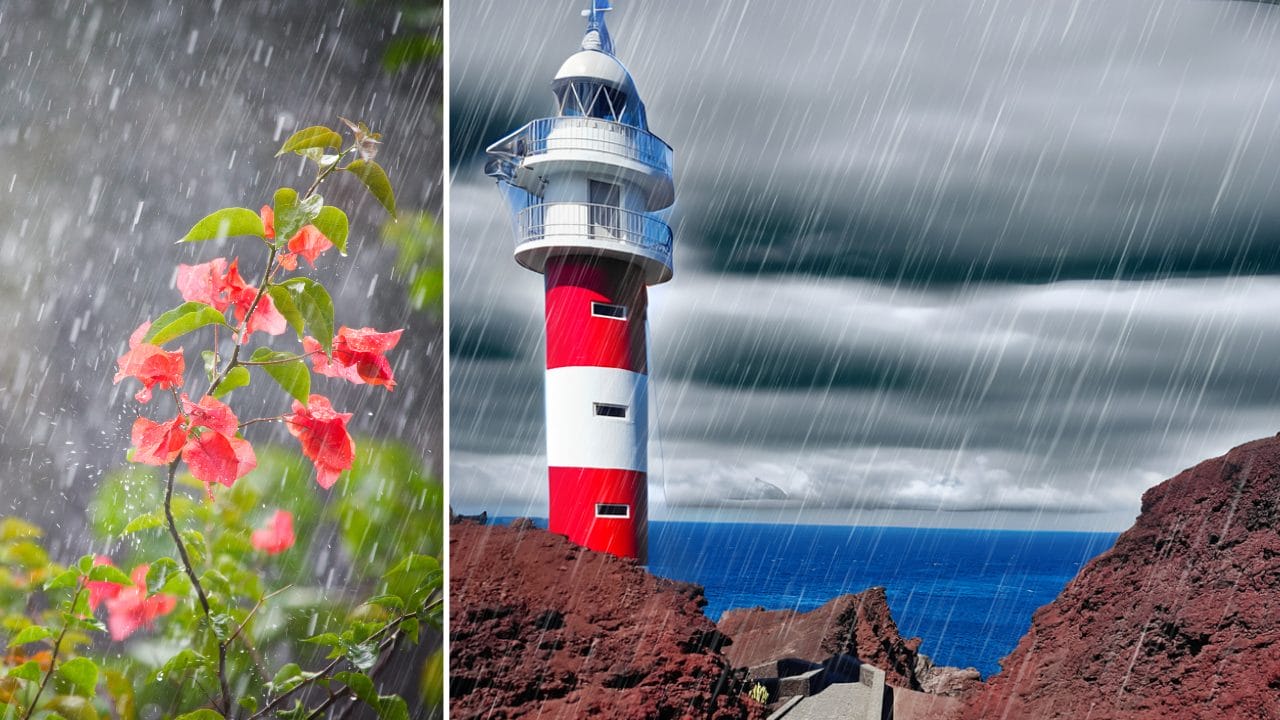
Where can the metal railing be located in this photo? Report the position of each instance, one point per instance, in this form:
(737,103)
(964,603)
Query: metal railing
(593,221)
(584,133)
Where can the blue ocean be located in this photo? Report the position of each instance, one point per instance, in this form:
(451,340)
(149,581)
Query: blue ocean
(969,594)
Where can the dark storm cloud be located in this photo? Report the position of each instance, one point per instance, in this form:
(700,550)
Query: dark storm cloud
(939,144)
(975,258)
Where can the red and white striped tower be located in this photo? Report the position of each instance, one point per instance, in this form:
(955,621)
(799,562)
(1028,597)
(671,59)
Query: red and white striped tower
(589,190)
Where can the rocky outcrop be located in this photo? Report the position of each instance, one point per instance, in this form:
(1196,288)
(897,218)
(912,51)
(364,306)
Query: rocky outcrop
(857,624)
(1181,619)
(543,628)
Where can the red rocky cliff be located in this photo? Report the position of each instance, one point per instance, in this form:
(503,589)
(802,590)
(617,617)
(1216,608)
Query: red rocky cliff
(858,624)
(1181,619)
(542,628)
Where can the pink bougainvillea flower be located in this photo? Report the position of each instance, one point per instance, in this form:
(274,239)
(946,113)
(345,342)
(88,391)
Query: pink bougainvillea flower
(310,243)
(288,261)
(151,364)
(324,437)
(265,316)
(157,443)
(212,413)
(217,458)
(358,356)
(213,452)
(131,608)
(100,590)
(206,283)
(268,216)
(277,535)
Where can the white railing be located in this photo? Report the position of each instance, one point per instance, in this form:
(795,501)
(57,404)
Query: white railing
(592,221)
(584,133)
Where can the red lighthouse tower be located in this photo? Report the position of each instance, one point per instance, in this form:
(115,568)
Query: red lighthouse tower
(589,190)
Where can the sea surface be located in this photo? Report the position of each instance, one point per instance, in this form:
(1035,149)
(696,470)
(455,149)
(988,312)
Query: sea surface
(969,594)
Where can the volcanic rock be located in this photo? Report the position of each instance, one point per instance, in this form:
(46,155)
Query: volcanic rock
(858,624)
(1181,619)
(543,628)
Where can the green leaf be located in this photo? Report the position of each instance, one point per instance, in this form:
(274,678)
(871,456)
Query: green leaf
(414,578)
(316,136)
(237,378)
(84,621)
(27,554)
(177,665)
(182,320)
(147,521)
(374,178)
(196,546)
(361,686)
(332,223)
(228,222)
(291,213)
(390,602)
(16,529)
(160,572)
(316,308)
(109,573)
(293,376)
(29,671)
(65,579)
(410,629)
(82,673)
(329,639)
(392,707)
(249,703)
(283,300)
(30,634)
(201,714)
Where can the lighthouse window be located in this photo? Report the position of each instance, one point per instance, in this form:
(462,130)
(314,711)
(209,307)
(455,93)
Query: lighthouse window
(617,510)
(589,99)
(605,198)
(605,310)
(610,410)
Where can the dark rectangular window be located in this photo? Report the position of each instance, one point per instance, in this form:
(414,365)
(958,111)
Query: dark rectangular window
(610,410)
(613,510)
(617,312)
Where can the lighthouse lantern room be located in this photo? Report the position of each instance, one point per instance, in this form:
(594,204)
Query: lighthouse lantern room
(589,190)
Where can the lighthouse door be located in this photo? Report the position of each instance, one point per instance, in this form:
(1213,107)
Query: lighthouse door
(605,199)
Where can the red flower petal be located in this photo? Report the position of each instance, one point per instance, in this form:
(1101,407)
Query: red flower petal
(205,283)
(132,609)
(212,413)
(357,356)
(151,364)
(157,443)
(324,437)
(309,243)
(268,221)
(277,536)
(216,458)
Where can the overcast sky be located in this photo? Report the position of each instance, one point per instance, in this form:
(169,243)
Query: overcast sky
(989,264)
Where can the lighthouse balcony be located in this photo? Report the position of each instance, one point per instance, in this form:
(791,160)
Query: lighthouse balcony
(557,229)
(546,147)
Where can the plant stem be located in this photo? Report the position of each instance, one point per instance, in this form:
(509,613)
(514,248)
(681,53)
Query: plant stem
(53,658)
(195,581)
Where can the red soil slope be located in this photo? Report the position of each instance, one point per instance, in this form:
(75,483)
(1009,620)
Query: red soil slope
(1181,619)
